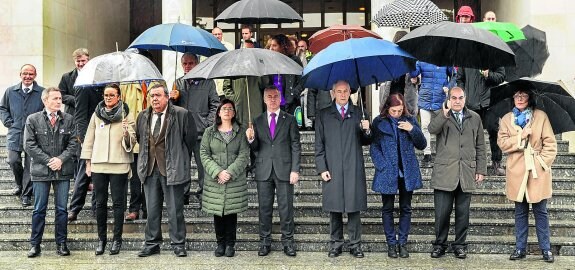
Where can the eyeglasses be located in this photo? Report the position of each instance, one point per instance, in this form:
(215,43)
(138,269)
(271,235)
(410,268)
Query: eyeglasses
(521,96)
(110,96)
(228,109)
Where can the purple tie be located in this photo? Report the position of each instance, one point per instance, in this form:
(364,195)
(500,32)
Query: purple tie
(342,112)
(273,125)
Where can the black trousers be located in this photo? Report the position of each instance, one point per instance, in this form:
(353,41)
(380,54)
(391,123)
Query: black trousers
(21,173)
(443,203)
(117,184)
(226,227)
(81,189)
(491,124)
(137,197)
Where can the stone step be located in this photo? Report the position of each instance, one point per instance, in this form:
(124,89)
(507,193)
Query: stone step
(563,246)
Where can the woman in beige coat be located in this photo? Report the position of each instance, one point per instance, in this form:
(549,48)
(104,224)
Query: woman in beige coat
(107,150)
(527,138)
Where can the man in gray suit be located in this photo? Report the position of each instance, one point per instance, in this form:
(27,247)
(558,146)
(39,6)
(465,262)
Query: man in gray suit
(275,140)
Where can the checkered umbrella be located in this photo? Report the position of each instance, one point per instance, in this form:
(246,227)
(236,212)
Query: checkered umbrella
(409,13)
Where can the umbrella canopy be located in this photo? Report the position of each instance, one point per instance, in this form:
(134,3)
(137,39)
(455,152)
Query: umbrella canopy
(179,37)
(359,61)
(530,54)
(549,97)
(117,67)
(259,12)
(244,62)
(339,32)
(457,44)
(409,13)
(506,31)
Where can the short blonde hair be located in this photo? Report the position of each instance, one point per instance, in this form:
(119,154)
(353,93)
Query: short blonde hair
(79,52)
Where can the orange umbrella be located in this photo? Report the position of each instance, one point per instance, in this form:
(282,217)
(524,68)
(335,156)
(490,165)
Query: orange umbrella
(323,38)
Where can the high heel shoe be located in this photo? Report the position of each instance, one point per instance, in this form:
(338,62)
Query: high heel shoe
(116,246)
(101,247)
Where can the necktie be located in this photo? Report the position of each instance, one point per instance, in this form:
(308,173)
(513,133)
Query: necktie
(273,125)
(53,119)
(157,125)
(26,90)
(457,118)
(342,112)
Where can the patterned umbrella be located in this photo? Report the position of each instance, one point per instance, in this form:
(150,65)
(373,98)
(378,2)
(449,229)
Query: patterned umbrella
(409,13)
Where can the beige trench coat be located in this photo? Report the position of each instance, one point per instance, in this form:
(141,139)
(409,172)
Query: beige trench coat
(528,167)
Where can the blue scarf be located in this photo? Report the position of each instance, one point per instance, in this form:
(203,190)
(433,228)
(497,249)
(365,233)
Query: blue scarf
(522,117)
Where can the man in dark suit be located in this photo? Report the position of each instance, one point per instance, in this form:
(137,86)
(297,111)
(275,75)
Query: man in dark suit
(81,56)
(275,140)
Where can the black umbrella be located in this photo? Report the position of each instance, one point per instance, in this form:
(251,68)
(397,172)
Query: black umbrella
(409,13)
(259,12)
(457,44)
(530,54)
(549,97)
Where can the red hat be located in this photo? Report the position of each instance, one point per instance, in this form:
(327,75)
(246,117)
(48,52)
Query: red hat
(465,11)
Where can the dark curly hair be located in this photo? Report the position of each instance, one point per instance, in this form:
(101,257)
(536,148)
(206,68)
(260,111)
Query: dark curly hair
(284,43)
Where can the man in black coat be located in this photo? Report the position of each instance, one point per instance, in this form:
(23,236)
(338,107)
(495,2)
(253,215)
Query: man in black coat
(275,140)
(81,56)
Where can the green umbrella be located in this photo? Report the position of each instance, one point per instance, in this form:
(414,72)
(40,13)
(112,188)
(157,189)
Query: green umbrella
(506,31)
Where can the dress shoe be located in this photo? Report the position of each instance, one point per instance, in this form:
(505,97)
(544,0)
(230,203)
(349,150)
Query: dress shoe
(16,191)
(149,251)
(26,201)
(180,251)
(357,252)
(144,215)
(230,251)
(220,250)
(289,250)
(437,252)
(334,252)
(116,246)
(186,199)
(34,251)
(264,250)
(391,251)
(548,256)
(131,216)
(426,158)
(72,216)
(403,253)
(460,253)
(518,255)
(100,248)
(62,249)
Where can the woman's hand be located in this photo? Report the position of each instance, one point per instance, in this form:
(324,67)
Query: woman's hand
(88,168)
(405,126)
(224,177)
(125,127)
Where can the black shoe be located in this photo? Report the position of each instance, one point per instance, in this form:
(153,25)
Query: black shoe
(403,253)
(34,251)
(518,255)
(186,199)
(230,251)
(144,215)
(426,158)
(356,252)
(460,253)
(180,251)
(62,249)
(16,191)
(498,169)
(289,250)
(220,250)
(334,252)
(391,251)
(548,256)
(149,251)
(26,201)
(437,252)
(100,248)
(116,246)
(264,250)
(72,216)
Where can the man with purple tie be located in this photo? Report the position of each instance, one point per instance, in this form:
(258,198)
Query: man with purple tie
(275,140)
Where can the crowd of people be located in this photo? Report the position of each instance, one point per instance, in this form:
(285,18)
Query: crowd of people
(143,135)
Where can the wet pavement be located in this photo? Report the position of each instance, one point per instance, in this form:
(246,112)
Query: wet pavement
(248,260)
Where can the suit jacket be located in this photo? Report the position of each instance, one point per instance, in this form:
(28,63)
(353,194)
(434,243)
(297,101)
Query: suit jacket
(282,153)
(66,87)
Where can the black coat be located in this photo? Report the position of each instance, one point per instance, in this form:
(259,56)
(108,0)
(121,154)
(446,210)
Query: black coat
(317,100)
(15,107)
(338,149)
(477,88)
(87,98)
(201,99)
(66,87)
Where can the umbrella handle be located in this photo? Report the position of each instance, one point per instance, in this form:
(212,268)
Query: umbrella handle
(361,104)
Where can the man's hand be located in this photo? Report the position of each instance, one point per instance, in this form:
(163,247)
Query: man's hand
(293,178)
(446,107)
(250,134)
(55,164)
(478,178)
(485,73)
(174,94)
(326,176)
(414,80)
(445,89)
(223,177)
(364,124)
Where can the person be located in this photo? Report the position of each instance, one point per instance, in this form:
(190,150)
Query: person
(465,15)
(316,101)
(50,140)
(340,132)
(526,136)
(396,134)
(303,49)
(275,139)
(435,82)
(107,150)
(166,134)
(304,56)
(288,85)
(247,34)
(225,155)
(81,56)
(20,101)
(489,16)
(222,85)
(460,164)
(219,34)
(201,99)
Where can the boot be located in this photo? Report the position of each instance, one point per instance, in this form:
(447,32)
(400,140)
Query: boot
(391,251)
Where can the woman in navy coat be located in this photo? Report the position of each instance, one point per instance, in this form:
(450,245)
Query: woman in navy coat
(396,135)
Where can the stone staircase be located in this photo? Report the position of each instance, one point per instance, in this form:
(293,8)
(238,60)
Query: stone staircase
(491,230)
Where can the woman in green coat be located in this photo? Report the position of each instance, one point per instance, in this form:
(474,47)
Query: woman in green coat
(225,154)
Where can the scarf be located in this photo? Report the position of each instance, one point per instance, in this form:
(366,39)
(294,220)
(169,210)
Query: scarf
(112,115)
(522,117)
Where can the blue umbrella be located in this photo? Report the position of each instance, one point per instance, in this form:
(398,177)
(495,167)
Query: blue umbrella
(359,61)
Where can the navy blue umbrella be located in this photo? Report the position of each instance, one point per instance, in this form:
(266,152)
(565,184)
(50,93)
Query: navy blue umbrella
(359,61)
